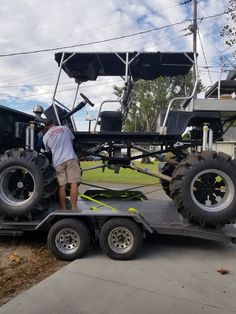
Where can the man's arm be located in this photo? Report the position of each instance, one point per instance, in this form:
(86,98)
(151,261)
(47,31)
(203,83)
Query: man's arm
(70,133)
(45,144)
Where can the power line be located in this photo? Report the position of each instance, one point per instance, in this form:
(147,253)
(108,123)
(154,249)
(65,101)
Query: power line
(34,85)
(204,55)
(33,73)
(221,52)
(106,40)
(70,89)
(37,74)
(118,22)
(92,43)
(70,83)
(63,83)
(209,67)
(159,43)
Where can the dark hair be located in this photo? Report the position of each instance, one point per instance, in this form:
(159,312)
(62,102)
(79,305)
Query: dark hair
(48,122)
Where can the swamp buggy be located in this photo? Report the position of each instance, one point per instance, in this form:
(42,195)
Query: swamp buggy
(200,181)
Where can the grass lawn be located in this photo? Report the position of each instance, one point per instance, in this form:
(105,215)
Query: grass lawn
(124,176)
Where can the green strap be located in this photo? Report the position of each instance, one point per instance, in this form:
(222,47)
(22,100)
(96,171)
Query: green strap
(131,210)
(98,202)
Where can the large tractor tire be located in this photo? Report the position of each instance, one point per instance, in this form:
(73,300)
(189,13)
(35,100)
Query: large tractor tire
(168,170)
(203,189)
(27,184)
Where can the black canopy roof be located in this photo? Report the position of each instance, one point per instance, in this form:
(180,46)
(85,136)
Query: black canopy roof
(84,66)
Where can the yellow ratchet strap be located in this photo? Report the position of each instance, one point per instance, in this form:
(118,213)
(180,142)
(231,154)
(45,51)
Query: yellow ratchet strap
(98,202)
(131,210)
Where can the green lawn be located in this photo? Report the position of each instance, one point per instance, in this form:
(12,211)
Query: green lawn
(124,176)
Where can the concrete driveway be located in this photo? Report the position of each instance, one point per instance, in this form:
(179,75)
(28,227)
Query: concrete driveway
(171,275)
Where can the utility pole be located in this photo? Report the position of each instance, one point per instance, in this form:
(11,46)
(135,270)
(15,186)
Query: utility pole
(194,25)
(194,31)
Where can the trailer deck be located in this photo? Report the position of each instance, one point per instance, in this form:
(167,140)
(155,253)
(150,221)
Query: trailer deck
(155,217)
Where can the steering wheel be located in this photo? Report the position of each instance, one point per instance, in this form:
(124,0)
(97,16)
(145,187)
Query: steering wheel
(87,100)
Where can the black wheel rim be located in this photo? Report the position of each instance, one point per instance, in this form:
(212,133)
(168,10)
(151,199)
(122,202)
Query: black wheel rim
(17,186)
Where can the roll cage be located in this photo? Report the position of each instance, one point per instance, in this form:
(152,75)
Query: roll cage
(112,144)
(131,66)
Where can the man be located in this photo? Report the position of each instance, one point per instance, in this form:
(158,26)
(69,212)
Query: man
(59,140)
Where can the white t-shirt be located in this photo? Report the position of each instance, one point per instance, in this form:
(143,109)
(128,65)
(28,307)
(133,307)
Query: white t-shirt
(58,140)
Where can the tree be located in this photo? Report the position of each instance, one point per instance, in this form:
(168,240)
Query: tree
(229,30)
(150,97)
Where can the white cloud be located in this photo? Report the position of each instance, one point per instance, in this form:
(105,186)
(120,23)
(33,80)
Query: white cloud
(32,25)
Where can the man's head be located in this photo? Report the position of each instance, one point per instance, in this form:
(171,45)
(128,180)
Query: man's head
(48,123)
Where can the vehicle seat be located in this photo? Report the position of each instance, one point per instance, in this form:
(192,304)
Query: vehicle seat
(227,86)
(178,121)
(110,121)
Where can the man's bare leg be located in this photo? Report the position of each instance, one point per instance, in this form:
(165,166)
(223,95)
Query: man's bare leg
(74,194)
(62,196)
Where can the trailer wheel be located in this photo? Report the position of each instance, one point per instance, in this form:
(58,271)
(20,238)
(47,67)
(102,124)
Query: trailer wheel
(27,183)
(68,239)
(203,188)
(121,238)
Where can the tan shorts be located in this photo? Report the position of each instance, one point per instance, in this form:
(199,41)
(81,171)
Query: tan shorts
(68,172)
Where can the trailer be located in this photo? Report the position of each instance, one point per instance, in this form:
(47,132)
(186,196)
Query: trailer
(119,219)
(200,181)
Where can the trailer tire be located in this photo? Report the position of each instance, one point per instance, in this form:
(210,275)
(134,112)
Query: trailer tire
(27,183)
(203,189)
(121,238)
(68,239)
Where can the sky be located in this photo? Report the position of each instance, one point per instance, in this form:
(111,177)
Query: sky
(26,25)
